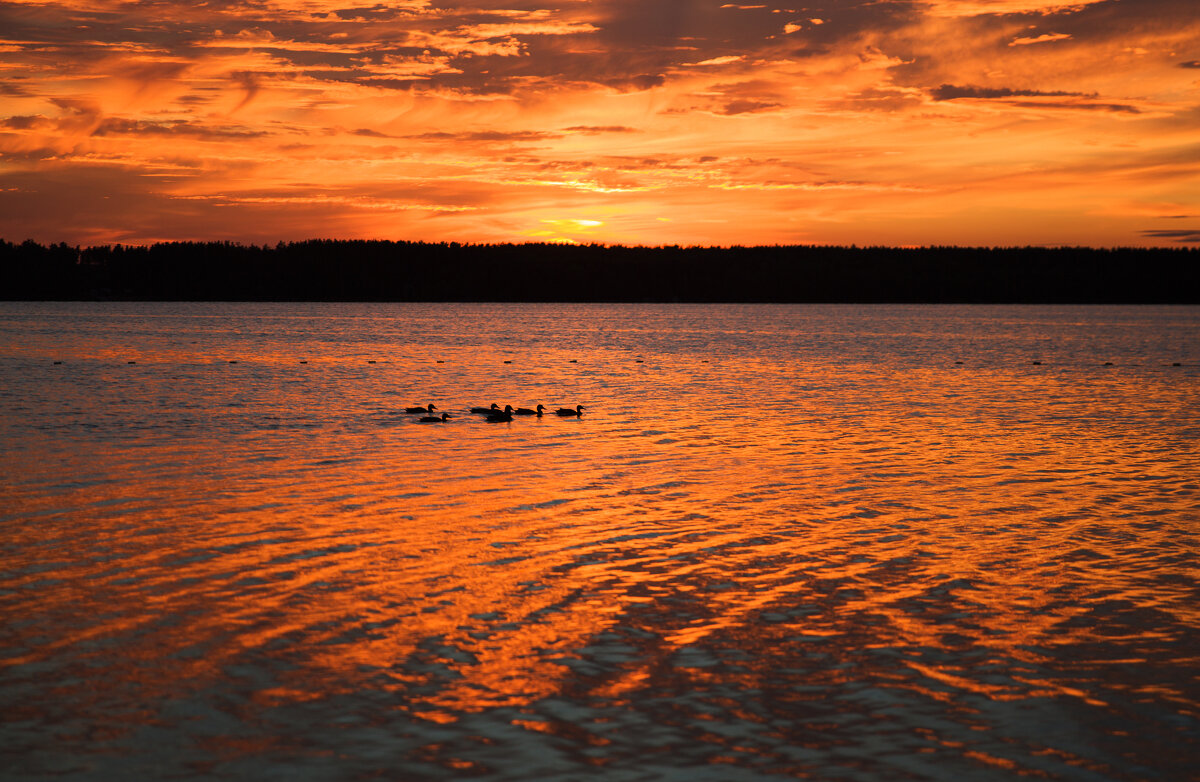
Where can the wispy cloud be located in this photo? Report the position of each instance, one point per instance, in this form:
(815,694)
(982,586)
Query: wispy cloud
(1184,237)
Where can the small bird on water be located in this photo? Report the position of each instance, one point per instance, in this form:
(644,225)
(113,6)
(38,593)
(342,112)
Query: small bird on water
(501,416)
(527,411)
(486,410)
(419,410)
(578,411)
(433,419)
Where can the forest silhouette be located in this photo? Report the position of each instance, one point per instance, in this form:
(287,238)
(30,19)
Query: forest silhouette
(361,270)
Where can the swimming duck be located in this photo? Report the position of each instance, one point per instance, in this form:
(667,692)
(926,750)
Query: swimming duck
(501,416)
(578,411)
(486,410)
(433,419)
(419,410)
(527,411)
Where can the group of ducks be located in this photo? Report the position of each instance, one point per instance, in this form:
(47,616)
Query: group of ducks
(494,413)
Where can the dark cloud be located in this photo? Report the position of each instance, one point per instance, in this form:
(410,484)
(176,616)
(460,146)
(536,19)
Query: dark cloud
(29,155)
(637,24)
(747,97)
(249,82)
(557,165)
(747,107)
(598,129)
(393,84)
(309,59)
(127,127)
(717,31)
(1183,237)
(26,122)
(14,90)
(489,135)
(376,13)
(629,46)
(77,107)
(1190,64)
(1087,102)
(641,81)
(1121,108)
(355,76)
(954,92)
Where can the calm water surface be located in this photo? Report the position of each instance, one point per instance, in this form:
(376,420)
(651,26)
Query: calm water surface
(781,542)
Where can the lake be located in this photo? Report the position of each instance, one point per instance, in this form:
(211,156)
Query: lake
(829,542)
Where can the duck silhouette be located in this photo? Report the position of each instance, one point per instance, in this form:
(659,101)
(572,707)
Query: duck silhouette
(565,411)
(433,419)
(486,410)
(527,411)
(500,416)
(419,410)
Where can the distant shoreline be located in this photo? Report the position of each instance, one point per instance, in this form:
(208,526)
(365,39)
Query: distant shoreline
(387,271)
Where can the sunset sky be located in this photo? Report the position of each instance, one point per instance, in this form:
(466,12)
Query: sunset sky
(618,121)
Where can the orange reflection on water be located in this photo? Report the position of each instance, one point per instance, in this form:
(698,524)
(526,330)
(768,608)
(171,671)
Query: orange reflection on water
(707,553)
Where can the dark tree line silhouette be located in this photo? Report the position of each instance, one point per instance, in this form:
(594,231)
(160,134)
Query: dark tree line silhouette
(329,270)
